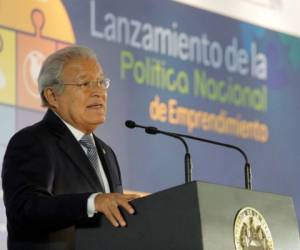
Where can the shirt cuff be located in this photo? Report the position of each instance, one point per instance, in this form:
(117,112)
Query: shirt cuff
(91,205)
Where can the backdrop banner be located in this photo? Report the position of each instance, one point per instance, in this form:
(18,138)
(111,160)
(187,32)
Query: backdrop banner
(172,66)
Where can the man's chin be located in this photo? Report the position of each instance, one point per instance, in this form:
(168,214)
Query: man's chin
(98,121)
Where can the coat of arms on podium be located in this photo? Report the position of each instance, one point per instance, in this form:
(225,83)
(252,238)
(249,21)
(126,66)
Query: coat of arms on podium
(251,231)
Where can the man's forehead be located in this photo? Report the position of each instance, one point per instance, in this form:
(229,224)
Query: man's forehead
(83,68)
(85,75)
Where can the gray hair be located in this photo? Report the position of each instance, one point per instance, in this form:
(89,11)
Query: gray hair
(52,68)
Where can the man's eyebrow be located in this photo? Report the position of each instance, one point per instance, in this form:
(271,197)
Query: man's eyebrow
(81,76)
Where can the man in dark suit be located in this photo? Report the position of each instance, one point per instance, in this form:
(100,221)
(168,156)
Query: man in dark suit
(57,176)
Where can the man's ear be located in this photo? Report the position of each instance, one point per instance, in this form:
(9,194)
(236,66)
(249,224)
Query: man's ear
(51,97)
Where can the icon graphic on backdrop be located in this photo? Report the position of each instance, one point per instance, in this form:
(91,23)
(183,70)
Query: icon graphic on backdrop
(29,32)
(31,68)
(31,50)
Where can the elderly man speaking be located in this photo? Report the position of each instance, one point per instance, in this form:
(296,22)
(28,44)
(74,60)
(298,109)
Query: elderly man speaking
(57,175)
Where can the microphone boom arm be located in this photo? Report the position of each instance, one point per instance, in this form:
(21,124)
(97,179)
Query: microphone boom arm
(154,131)
(187,157)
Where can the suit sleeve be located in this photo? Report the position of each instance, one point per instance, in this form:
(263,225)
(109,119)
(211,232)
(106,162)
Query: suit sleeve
(27,179)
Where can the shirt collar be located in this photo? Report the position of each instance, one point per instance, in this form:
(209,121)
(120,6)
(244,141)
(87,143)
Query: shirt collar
(75,132)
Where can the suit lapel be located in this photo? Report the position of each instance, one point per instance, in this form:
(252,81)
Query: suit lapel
(71,147)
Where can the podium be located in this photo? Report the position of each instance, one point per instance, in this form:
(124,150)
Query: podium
(200,216)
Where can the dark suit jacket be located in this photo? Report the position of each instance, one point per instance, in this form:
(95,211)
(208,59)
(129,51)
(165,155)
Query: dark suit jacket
(47,179)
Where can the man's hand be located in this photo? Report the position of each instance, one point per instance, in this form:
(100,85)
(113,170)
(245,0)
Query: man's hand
(108,205)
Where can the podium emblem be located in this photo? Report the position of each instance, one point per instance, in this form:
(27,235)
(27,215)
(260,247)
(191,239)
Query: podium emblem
(251,231)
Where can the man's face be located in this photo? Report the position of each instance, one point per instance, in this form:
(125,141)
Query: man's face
(83,109)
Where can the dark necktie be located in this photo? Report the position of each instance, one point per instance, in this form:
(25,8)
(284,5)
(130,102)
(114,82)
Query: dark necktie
(92,154)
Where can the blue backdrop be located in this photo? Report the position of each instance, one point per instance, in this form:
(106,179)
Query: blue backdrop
(191,71)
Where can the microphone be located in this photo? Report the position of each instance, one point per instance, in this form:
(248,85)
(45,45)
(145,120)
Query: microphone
(130,124)
(247,169)
(153,130)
